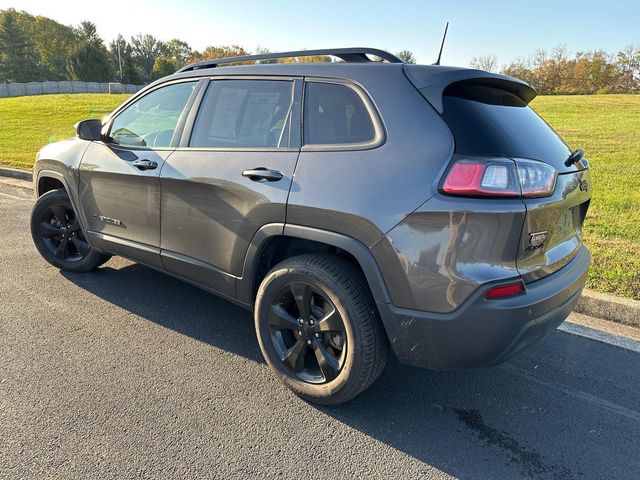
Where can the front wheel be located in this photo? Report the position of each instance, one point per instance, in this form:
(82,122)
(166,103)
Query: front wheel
(56,232)
(319,329)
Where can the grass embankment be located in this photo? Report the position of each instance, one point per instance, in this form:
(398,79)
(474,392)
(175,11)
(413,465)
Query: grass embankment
(607,127)
(28,123)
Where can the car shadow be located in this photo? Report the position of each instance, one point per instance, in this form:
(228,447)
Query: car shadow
(174,304)
(567,408)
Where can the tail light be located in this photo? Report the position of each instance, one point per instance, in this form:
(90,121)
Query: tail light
(537,179)
(508,290)
(499,178)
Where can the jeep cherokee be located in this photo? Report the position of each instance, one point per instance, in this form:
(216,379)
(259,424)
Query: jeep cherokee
(354,206)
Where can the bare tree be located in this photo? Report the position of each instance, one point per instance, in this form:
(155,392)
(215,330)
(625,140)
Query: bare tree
(264,51)
(488,63)
(629,65)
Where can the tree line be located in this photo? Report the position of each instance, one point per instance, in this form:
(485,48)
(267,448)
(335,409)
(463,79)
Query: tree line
(560,72)
(37,48)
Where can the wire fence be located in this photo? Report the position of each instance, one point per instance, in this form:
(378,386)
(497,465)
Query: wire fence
(46,88)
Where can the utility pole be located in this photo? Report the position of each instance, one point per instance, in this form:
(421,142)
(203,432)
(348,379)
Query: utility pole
(120,59)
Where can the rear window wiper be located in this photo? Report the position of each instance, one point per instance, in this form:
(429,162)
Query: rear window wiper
(575,157)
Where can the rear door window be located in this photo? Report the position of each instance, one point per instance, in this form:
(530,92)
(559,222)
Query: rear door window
(491,121)
(335,114)
(243,114)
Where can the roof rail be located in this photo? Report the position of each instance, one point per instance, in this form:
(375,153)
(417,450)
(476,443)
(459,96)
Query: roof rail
(352,55)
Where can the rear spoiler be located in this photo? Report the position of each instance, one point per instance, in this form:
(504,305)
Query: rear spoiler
(433,80)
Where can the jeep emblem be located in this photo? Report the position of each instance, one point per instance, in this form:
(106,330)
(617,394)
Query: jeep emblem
(537,239)
(583,185)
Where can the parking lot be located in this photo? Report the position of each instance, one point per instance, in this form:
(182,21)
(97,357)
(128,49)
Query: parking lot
(128,373)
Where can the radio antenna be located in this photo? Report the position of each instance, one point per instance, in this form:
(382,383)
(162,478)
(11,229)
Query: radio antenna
(442,44)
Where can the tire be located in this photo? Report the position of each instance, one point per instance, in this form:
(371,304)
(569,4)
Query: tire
(57,235)
(321,357)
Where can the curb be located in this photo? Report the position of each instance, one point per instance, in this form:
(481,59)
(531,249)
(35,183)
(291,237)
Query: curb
(609,307)
(593,304)
(15,173)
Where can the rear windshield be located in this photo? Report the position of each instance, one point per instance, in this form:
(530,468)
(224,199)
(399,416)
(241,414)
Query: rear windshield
(490,121)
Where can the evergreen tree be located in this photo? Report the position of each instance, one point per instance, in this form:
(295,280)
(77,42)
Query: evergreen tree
(53,42)
(406,56)
(89,59)
(18,60)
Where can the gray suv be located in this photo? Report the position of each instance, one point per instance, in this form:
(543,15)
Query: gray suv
(356,207)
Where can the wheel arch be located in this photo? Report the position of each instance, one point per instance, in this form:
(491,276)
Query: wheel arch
(50,181)
(275,242)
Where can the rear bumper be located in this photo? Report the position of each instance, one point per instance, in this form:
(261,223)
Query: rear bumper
(486,332)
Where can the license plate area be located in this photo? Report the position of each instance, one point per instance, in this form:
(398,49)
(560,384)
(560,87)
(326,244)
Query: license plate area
(552,232)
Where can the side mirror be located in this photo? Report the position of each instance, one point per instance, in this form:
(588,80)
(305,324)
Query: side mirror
(89,129)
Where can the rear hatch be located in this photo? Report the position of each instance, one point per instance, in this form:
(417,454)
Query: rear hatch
(488,118)
(552,234)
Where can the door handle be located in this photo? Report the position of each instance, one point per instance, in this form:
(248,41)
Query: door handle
(145,164)
(262,173)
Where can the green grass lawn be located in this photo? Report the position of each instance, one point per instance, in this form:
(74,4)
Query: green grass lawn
(28,123)
(607,127)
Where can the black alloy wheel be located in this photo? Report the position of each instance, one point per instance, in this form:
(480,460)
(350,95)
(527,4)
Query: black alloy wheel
(61,233)
(319,329)
(308,333)
(58,236)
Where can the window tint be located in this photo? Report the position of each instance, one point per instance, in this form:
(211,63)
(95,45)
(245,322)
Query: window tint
(243,114)
(490,121)
(151,121)
(335,114)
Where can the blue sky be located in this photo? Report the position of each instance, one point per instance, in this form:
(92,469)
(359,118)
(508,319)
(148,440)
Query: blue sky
(505,29)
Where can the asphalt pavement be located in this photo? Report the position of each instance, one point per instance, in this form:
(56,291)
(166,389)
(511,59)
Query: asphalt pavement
(129,373)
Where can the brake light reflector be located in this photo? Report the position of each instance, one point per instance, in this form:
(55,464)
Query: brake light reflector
(507,290)
(499,177)
(481,178)
(463,176)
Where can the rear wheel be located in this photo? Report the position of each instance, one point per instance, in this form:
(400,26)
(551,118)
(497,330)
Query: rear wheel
(318,328)
(56,232)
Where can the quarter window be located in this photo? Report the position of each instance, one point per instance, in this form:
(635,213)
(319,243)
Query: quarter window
(335,114)
(243,114)
(152,120)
